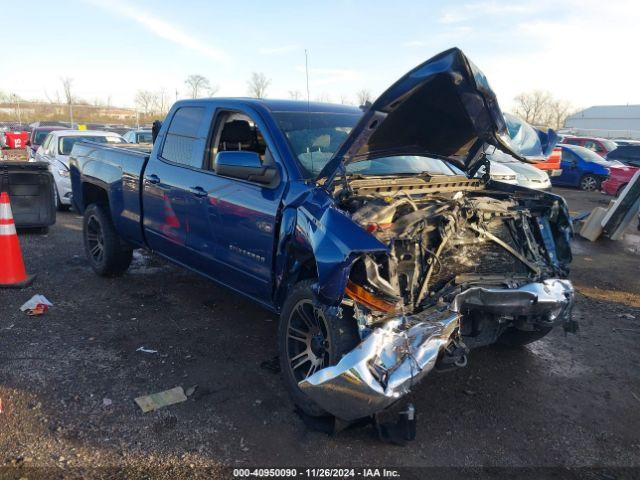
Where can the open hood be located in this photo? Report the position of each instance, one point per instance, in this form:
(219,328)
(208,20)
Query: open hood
(443,108)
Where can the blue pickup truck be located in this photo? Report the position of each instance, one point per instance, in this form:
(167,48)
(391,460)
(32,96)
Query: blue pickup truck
(366,229)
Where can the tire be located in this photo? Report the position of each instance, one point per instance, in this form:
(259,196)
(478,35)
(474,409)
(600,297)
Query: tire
(589,183)
(325,346)
(513,337)
(108,255)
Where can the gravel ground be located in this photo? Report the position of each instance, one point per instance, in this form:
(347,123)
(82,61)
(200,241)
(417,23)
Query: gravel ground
(68,378)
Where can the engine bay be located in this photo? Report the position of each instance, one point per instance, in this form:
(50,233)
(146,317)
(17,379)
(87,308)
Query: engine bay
(445,241)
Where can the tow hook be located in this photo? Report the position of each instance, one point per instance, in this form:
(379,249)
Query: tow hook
(453,356)
(397,428)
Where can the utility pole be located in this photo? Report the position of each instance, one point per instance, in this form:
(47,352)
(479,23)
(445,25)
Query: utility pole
(19,113)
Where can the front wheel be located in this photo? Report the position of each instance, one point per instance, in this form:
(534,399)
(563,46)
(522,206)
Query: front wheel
(311,336)
(589,183)
(108,255)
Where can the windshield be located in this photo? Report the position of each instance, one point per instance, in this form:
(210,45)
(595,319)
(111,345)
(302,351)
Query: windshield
(590,156)
(67,143)
(609,145)
(315,136)
(39,136)
(403,165)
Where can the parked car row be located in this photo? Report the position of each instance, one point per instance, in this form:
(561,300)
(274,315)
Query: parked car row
(53,143)
(593,163)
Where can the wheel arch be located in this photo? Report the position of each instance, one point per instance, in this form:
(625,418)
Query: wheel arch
(321,242)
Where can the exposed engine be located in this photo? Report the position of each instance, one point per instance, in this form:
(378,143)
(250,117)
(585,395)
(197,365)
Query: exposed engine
(444,243)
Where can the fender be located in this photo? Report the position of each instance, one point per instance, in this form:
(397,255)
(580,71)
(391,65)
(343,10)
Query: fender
(317,230)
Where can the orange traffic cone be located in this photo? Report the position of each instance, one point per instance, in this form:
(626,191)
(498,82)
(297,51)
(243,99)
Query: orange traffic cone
(12,272)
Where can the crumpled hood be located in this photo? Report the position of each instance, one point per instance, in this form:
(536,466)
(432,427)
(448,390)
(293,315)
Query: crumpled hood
(443,108)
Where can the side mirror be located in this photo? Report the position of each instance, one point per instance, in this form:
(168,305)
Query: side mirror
(244,166)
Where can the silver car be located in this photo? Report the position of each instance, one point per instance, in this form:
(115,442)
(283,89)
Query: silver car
(526,175)
(56,149)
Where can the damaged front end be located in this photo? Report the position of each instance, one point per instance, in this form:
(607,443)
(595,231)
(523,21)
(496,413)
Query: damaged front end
(398,354)
(468,261)
(466,264)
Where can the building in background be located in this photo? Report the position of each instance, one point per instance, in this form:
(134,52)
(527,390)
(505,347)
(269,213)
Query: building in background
(608,121)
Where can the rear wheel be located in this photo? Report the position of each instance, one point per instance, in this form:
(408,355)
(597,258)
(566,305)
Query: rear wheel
(108,255)
(513,337)
(589,183)
(311,336)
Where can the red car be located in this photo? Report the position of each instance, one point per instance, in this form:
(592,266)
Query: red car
(601,146)
(619,176)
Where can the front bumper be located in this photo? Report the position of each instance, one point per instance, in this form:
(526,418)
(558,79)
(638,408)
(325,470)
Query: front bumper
(396,356)
(611,186)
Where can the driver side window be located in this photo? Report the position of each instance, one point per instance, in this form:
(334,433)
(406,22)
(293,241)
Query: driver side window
(238,132)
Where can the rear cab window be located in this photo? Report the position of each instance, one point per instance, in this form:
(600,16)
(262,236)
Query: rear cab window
(184,143)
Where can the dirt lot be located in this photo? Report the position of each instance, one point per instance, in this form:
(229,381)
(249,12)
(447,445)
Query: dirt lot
(68,378)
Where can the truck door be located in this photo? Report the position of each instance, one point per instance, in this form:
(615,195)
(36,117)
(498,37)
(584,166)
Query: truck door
(236,224)
(169,181)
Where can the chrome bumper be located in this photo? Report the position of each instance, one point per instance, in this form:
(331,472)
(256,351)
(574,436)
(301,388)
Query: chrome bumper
(551,299)
(396,356)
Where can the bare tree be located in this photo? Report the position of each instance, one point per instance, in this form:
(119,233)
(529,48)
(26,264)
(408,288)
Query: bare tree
(295,94)
(199,86)
(539,107)
(145,101)
(324,97)
(559,110)
(66,88)
(363,96)
(344,100)
(15,99)
(533,106)
(258,84)
(162,102)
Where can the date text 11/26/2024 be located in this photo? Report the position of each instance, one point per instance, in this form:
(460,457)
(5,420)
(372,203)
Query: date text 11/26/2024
(315,473)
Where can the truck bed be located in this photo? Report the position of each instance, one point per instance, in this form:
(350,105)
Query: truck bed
(118,169)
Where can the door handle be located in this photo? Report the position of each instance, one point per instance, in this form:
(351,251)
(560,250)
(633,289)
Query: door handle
(198,191)
(153,179)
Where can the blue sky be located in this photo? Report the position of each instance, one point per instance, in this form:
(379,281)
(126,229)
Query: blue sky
(582,51)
